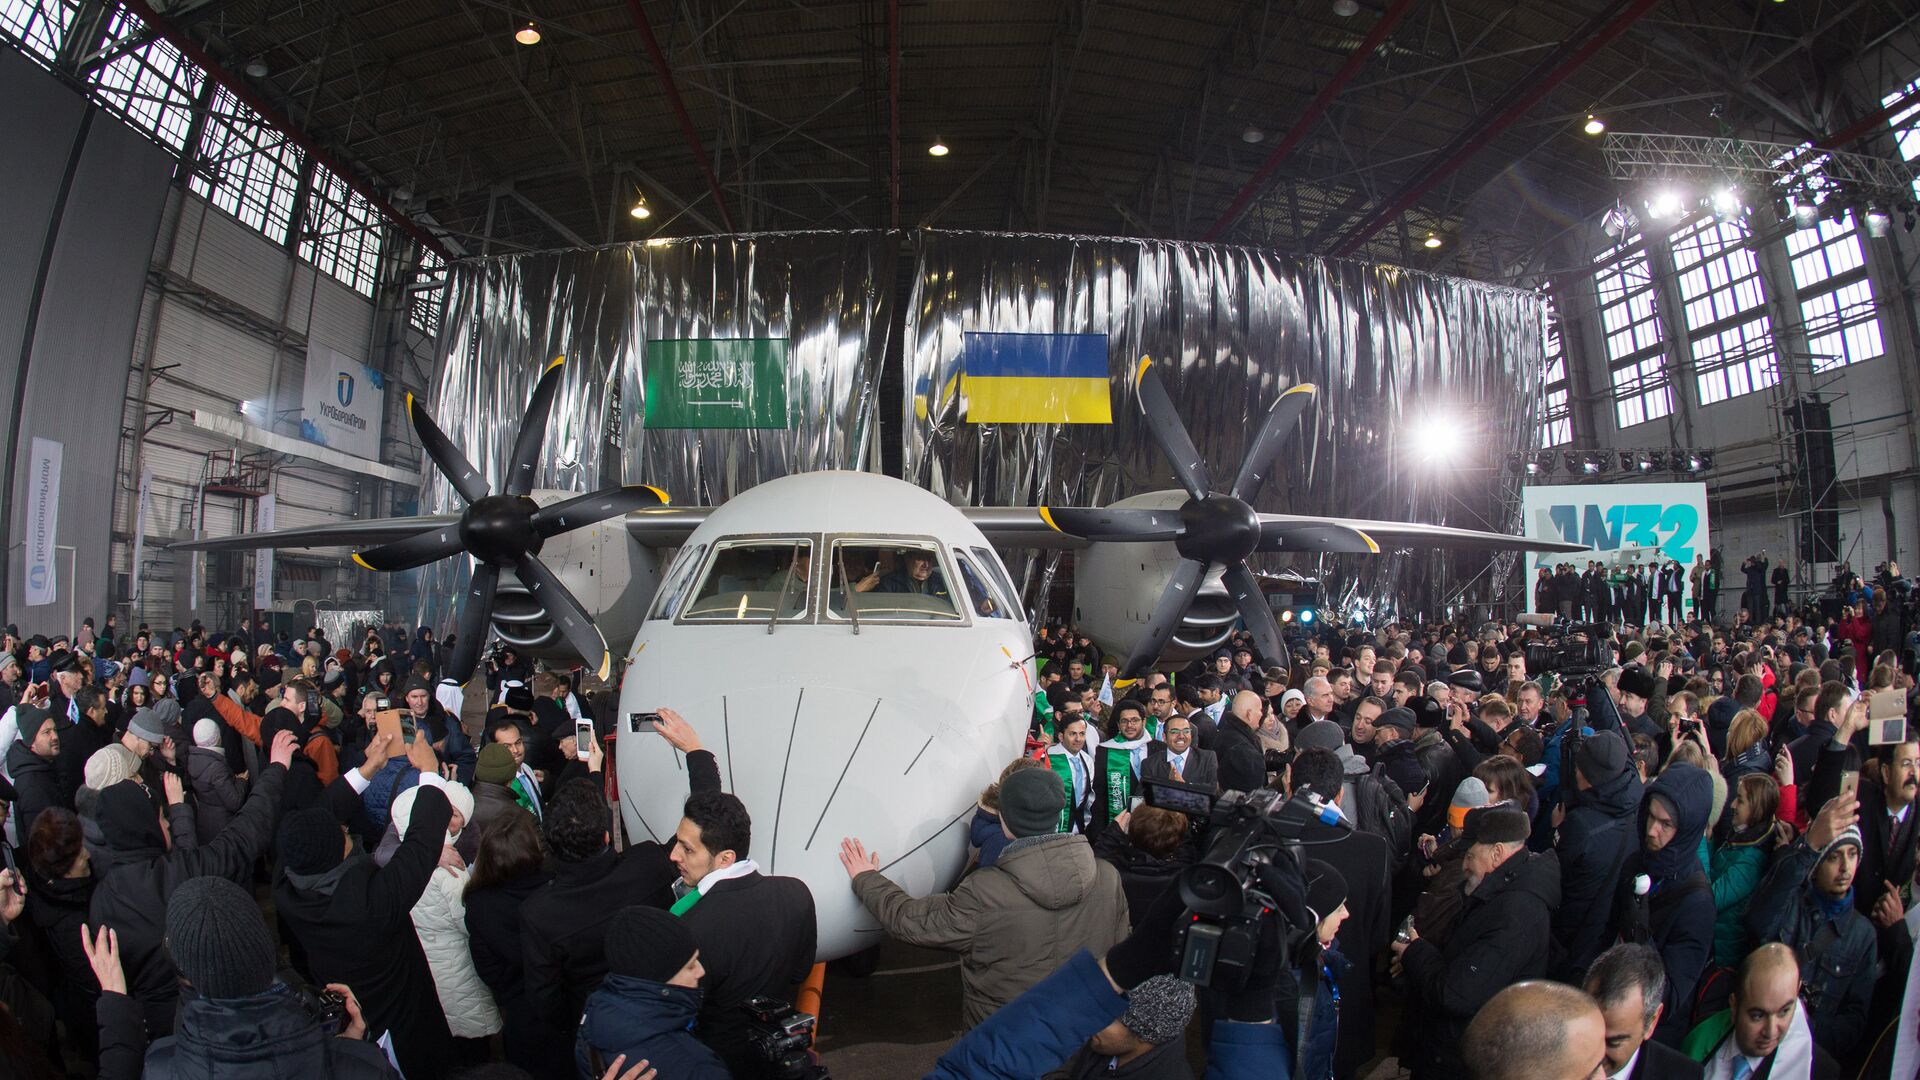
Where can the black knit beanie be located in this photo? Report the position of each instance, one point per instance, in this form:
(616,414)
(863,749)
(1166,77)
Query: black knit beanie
(310,841)
(647,943)
(218,938)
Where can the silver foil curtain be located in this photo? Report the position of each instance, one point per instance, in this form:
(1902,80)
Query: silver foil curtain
(1397,355)
(829,294)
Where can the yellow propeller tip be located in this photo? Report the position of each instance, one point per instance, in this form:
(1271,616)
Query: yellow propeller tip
(1303,388)
(1046,515)
(606,665)
(409,402)
(554,363)
(664,499)
(1145,363)
(364,563)
(1372,546)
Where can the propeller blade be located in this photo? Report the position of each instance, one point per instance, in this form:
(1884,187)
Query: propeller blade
(476,622)
(1308,534)
(417,550)
(569,617)
(1246,593)
(584,510)
(1166,617)
(332,534)
(533,430)
(1163,421)
(1279,425)
(453,464)
(1412,534)
(1125,526)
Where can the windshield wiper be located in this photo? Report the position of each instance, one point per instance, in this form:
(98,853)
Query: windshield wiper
(846,583)
(785,587)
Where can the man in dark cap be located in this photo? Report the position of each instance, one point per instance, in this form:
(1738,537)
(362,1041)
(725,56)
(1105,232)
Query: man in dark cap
(1501,936)
(1443,767)
(30,761)
(1595,838)
(1149,1040)
(221,946)
(645,1008)
(147,868)
(1643,706)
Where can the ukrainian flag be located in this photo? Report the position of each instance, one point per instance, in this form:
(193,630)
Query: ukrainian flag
(1036,378)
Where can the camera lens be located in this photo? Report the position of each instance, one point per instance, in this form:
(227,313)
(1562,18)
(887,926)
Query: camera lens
(1210,889)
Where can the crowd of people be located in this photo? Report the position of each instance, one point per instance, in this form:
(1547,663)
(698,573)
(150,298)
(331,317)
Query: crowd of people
(1663,849)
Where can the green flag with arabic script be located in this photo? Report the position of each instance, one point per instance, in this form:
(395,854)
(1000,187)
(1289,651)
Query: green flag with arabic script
(716,383)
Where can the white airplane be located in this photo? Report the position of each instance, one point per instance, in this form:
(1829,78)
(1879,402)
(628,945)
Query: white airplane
(880,710)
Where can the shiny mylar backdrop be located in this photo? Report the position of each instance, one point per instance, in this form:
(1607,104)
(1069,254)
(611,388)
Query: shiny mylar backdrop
(1424,380)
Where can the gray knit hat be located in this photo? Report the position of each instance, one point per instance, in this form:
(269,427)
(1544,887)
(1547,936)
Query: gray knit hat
(1031,801)
(144,724)
(219,939)
(1158,1009)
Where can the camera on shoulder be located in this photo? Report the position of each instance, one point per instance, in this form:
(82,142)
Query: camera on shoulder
(782,1035)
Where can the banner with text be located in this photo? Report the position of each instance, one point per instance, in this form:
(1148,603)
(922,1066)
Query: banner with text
(139,539)
(263,558)
(43,516)
(1620,522)
(716,383)
(343,403)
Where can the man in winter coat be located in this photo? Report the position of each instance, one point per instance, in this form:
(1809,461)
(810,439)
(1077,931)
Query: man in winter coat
(645,1008)
(148,866)
(1444,771)
(80,740)
(1629,983)
(1594,841)
(355,921)
(1148,1042)
(1500,937)
(563,929)
(1806,902)
(36,785)
(1243,761)
(1362,862)
(1663,897)
(217,793)
(240,1020)
(1045,898)
(727,891)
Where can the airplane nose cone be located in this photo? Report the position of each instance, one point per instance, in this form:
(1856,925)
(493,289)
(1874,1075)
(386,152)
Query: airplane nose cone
(814,765)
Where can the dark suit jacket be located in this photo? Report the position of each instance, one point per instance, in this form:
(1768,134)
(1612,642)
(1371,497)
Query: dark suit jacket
(770,959)
(1661,1062)
(1362,860)
(1203,767)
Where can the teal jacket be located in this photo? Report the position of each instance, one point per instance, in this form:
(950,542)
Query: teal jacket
(1735,871)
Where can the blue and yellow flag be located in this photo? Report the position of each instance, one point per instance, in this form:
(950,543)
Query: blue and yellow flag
(1035,378)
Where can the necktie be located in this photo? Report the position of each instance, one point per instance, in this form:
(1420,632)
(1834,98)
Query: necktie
(1742,1068)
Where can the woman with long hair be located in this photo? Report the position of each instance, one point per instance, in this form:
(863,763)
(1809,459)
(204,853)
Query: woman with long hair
(506,870)
(1747,749)
(1741,847)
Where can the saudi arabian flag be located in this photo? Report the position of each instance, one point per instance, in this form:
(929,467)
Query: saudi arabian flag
(716,383)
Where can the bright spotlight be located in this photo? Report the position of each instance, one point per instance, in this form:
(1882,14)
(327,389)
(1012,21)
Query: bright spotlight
(1806,212)
(1306,615)
(1594,125)
(1286,616)
(528,34)
(641,211)
(938,149)
(1432,241)
(1726,203)
(1666,205)
(1878,221)
(1434,439)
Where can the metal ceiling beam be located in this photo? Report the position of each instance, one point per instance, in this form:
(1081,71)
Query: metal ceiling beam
(278,121)
(1308,117)
(1675,48)
(665,71)
(546,219)
(1576,52)
(893,111)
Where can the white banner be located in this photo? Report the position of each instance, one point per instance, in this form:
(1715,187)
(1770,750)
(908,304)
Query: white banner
(343,403)
(43,515)
(263,558)
(139,538)
(1624,524)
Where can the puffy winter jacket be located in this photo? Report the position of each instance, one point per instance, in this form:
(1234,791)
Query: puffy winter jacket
(644,1019)
(1013,922)
(985,834)
(267,1035)
(440,920)
(1735,872)
(217,793)
(35,787)
(1594,842)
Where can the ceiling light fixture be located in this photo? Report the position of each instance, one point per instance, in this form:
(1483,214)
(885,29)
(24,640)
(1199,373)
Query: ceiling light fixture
(1878,220)
(1252,134)
(1432,241)
(528,34)
(1806,212)
(257,68)
(1346,9)
(640,211)
(938,149)
(1726,203)
(1666,205)
(1594,125)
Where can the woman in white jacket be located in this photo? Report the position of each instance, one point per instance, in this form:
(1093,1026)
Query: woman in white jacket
(440,920)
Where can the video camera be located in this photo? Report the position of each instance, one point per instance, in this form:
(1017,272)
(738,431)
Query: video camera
(782,1035)
(1559,650)
(1224,891)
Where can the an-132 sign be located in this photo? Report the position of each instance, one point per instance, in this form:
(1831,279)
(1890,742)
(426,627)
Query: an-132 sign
(1610,517)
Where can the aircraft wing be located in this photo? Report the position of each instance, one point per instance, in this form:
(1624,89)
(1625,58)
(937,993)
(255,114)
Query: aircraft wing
(335,534)
(1410,534)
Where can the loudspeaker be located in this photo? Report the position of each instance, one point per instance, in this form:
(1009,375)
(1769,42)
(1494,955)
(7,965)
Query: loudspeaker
(1817,494)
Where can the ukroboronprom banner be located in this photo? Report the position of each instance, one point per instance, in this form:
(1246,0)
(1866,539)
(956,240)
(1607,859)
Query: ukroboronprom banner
(1621,522)
(263,559)
(343,403)
(43,514)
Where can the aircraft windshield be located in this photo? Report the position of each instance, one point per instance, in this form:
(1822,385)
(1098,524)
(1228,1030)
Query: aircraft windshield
(893,581)
(747,578)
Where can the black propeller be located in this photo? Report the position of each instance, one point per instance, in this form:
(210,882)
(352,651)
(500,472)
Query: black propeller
(1211,528)
(506,531)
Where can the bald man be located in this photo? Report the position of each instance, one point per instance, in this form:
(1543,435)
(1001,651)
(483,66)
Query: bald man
(1764,1035)
(1537,1030)
(1243,761)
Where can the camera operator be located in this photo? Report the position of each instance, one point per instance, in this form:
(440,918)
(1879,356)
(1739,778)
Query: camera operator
(1501,936)
(646,1005)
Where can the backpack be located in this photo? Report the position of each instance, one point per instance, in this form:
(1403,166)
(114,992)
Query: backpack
(1381,809)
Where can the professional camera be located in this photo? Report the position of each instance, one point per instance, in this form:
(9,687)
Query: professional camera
(781,1035)
(1249,835)
(1567,648)
(328,1008)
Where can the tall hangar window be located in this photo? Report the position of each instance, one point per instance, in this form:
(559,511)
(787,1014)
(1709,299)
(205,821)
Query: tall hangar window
(424,305)
(1556,404)
(37,26)
(1837,309)
(1725,309)
(246,168)
(342,237)
(152,86)
(1636,351)
(1906,127)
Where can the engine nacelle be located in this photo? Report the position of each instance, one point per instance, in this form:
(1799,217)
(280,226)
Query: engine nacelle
(613,577)
(1115,588)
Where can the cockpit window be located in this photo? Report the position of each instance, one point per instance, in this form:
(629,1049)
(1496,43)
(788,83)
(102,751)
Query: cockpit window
(747,579)
(998,575)
(982,598)
(894,580)
(679,576)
